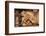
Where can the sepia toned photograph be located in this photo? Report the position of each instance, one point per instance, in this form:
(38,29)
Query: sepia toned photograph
(26,17)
